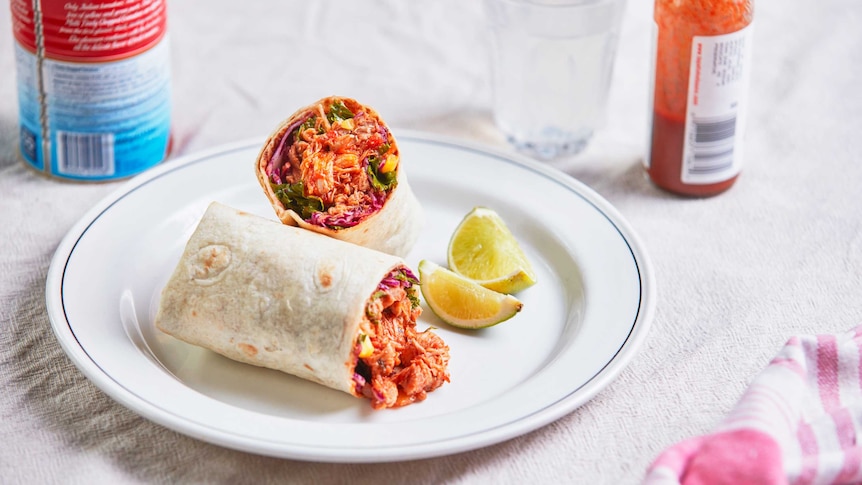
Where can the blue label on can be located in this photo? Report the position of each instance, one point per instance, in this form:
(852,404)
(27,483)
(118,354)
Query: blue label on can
(101,120)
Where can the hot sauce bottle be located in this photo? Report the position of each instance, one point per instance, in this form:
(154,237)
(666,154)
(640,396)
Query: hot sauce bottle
(702,66)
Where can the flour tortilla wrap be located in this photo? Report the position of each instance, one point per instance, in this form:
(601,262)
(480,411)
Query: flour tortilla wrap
(348,138)
(275,296)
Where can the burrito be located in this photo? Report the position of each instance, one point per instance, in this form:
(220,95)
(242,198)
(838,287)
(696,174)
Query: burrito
(276,296)
(333,167)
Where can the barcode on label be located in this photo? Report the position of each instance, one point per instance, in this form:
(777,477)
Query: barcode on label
(712,145)
(85,153)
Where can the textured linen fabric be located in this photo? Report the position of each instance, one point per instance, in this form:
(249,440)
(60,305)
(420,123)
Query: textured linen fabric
(778,255)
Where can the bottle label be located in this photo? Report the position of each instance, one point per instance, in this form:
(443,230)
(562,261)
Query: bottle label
(715,114)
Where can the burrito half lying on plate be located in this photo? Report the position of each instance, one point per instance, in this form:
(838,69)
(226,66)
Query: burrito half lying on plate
(334,167)
(281,297)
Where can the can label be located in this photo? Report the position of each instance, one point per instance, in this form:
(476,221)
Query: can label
(93,86)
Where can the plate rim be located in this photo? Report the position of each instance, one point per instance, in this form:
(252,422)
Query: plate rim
(63,328)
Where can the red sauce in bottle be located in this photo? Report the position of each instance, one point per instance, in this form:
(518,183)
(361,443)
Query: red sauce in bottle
(678,22)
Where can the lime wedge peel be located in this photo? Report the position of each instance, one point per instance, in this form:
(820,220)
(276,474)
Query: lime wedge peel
(483,249)
(461,302)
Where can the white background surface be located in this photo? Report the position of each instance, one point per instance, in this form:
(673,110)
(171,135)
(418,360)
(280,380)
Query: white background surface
(737,275)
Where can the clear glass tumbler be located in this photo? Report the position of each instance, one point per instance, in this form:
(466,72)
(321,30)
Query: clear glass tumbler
(552,66)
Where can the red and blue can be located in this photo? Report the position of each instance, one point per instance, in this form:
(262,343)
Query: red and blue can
(94,91)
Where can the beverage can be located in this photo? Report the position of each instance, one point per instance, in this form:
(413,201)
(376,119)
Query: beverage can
(93,83)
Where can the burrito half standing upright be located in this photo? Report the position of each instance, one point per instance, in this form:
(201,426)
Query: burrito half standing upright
(334,167)
(276,296)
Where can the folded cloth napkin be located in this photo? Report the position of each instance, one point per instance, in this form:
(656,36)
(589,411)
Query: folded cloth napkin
(798,422)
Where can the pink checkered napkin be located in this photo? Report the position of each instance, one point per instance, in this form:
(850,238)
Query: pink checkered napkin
(798,423)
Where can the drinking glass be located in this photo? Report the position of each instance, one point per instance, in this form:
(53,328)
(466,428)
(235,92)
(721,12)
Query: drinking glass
(552,68)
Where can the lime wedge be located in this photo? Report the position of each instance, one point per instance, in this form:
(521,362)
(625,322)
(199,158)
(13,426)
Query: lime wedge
(461,302)
(483,249)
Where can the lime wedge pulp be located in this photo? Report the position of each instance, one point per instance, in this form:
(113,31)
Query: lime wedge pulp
(461,302)
(483,249)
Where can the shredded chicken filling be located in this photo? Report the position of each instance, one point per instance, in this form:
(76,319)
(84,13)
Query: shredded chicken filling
(329,153)
(405,364)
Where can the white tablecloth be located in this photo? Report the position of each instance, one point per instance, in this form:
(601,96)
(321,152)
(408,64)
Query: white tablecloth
(737,275)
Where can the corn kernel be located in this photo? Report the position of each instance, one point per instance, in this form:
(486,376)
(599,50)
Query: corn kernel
(366,348)
(391,163)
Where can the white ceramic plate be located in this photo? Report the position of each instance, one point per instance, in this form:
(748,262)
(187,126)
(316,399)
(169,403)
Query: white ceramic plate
(581,323)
